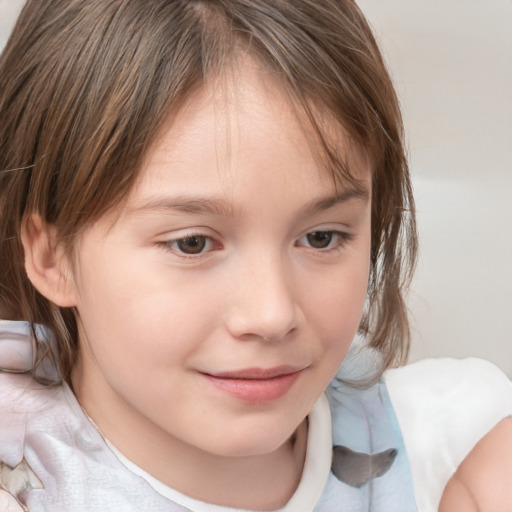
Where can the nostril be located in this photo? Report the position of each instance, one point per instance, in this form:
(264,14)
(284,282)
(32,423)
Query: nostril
(276,338)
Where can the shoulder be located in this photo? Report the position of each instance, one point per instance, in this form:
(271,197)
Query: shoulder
(442,372)
(449,392)
(444,407)
(483,482)
(24,405)
(21,397)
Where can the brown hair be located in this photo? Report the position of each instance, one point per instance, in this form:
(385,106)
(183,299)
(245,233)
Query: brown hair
(85,86)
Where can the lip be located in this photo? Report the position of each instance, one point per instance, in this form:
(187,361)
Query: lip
(255,385)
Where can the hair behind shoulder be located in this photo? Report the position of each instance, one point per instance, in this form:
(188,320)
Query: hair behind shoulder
(86,86)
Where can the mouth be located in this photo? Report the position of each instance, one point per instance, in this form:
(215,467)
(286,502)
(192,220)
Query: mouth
(255,385)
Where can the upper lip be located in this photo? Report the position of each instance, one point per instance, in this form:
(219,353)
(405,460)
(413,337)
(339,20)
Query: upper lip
(256,373)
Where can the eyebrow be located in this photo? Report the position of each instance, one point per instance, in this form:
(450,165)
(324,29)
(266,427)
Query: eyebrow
(187,204)
(221,207)
(319,205)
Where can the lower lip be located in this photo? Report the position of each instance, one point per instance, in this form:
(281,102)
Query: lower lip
(255,391)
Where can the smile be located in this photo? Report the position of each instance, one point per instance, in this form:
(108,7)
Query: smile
(255,385)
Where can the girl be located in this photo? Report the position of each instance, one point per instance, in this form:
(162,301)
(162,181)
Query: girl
(202,203)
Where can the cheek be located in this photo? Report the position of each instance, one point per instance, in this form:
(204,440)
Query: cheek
(338,316)
(337,305)
(144,310)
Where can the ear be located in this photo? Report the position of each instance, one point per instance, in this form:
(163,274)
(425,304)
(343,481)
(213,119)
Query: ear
(46,262)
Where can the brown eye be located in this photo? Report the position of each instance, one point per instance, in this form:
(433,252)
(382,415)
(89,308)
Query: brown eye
(320,239)
(191,244)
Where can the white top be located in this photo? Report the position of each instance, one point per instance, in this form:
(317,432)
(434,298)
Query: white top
(444,407)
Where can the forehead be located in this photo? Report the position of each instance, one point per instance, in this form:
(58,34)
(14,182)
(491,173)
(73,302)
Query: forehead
(246,119)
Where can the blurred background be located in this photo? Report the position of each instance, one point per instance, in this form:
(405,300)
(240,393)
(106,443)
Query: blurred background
(452,65)
(451,61)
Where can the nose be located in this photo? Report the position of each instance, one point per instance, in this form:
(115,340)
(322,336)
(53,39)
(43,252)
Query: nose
(265,301)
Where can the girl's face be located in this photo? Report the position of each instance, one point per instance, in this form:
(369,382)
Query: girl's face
(216,307)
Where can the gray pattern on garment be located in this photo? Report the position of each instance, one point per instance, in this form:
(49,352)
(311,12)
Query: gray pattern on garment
(18,481)
(356,469)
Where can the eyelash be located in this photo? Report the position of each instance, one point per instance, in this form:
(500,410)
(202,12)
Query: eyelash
(336,240)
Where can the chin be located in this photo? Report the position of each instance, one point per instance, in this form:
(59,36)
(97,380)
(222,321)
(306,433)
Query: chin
(251,442)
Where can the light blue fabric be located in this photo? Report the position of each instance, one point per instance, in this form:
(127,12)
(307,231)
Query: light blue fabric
(364,423)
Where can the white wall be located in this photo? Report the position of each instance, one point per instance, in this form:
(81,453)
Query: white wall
(9,9)
(452,64)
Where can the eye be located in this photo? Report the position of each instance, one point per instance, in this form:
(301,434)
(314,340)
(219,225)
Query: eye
(320,239)
(191,245)
(324,239)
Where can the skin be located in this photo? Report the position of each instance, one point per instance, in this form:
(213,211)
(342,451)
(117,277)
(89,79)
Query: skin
(8,503)
(483,482)
(155,322)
